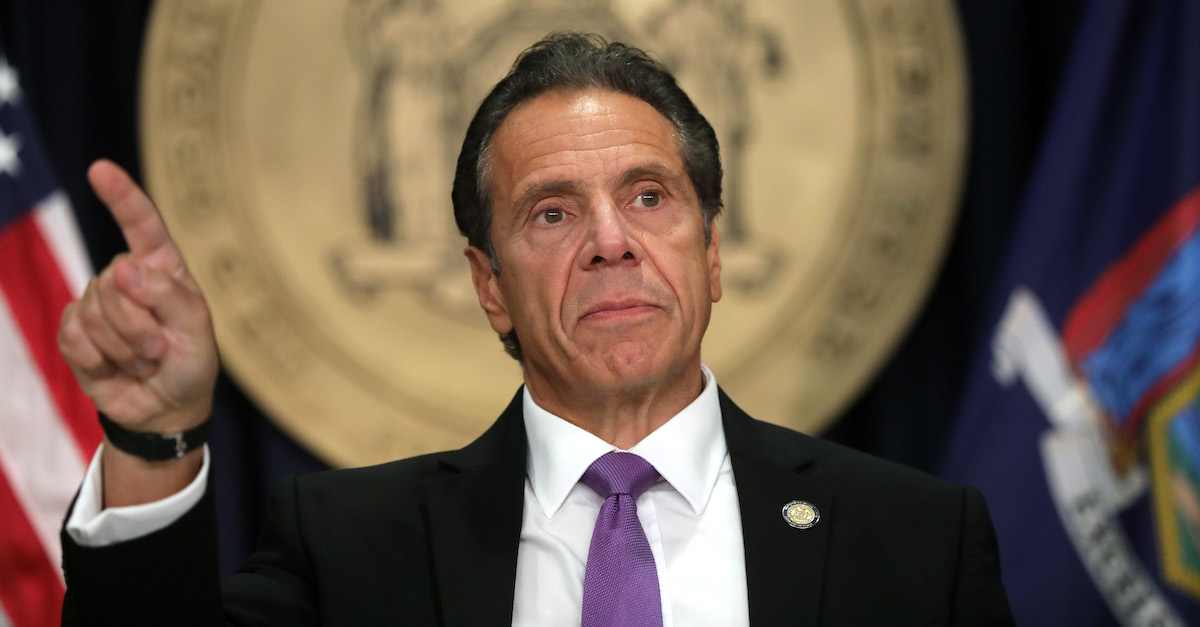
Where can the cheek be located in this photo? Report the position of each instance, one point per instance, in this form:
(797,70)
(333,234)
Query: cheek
(535,297)
(687,273)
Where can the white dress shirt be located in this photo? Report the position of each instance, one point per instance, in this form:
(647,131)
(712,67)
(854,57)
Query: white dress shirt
(91,524)
(690,516)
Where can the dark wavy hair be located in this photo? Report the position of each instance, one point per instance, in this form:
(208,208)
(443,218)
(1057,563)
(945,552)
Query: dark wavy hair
(573,61)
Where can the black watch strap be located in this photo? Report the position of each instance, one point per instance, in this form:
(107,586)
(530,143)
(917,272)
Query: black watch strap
(155,447)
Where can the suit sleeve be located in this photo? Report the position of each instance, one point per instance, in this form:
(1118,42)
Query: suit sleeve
(171,576)
(168,577)
(979,597)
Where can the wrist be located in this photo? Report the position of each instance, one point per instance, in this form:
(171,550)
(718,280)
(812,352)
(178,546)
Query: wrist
(131,480)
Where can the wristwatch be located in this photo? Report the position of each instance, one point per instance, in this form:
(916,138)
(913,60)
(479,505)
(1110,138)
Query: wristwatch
(155,447)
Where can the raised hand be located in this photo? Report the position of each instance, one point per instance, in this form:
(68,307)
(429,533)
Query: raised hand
(140,339)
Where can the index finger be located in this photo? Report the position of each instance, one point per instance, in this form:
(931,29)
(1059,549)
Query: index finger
(140,223)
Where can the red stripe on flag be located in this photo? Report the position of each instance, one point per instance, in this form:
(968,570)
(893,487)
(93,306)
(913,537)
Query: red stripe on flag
(32,592)
(1103,306)
(37,294)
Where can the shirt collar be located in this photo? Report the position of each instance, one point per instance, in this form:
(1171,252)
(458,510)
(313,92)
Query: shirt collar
(687,450)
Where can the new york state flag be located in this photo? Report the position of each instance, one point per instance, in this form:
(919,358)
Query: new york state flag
(1081,421)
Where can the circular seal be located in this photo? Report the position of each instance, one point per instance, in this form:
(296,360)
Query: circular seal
(302,154)
(801,514)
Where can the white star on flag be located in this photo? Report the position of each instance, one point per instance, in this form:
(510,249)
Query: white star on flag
(10,161)
(10,89)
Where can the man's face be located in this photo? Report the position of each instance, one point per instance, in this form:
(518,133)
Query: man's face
(605,274)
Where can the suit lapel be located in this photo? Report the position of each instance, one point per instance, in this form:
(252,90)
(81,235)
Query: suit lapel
(475,523)
(785,566)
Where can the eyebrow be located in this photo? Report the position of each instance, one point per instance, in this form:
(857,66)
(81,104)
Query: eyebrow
(650,170)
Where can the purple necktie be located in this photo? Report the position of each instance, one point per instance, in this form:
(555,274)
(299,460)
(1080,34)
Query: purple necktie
(620,583)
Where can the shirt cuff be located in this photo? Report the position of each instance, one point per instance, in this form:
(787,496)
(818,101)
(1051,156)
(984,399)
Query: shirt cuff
(91,526)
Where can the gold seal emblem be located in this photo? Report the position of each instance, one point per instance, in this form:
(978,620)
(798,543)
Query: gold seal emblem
(801,514)
(302,154)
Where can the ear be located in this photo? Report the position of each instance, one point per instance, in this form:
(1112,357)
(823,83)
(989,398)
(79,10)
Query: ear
(714,263)
(487,288)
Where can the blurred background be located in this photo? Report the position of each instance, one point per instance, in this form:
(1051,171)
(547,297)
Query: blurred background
(1075,228)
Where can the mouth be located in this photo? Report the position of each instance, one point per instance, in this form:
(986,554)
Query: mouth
(617,310)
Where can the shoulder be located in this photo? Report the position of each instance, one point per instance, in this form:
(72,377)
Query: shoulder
(839,464)
(907,514)
(394,474)
(367,491)
(861,482)
(499,454)
(902,537)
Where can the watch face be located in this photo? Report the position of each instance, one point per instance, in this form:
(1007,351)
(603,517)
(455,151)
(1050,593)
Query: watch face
(302,154)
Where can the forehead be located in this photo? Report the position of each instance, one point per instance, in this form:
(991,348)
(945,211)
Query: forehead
(579,134)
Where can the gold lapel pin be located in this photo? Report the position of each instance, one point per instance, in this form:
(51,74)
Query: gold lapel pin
(801,514)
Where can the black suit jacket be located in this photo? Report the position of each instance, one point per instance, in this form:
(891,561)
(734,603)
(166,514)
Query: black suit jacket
(432,540)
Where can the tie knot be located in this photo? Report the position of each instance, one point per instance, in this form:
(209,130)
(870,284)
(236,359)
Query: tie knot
(620,473)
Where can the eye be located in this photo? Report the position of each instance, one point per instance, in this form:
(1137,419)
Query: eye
(550,216)
(649,199)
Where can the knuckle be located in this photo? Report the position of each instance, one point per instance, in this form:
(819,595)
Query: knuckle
(164,283)
(92,318)
(69,336)
(157,285)
(139,330)
(122,314)
(118,260)
(100,333)
(124,360)
(96,367)
(68,314)
(89,292)
(107,278)
(91,362)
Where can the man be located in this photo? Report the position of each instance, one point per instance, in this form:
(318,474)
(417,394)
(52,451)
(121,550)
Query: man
(588,187)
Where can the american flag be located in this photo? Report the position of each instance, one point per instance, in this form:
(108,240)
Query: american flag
(48,428)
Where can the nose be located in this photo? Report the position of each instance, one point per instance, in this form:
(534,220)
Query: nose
(609,238)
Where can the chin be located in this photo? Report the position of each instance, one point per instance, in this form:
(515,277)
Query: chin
(638,366)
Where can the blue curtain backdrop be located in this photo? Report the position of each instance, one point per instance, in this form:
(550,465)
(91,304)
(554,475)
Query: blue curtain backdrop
(81,60)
